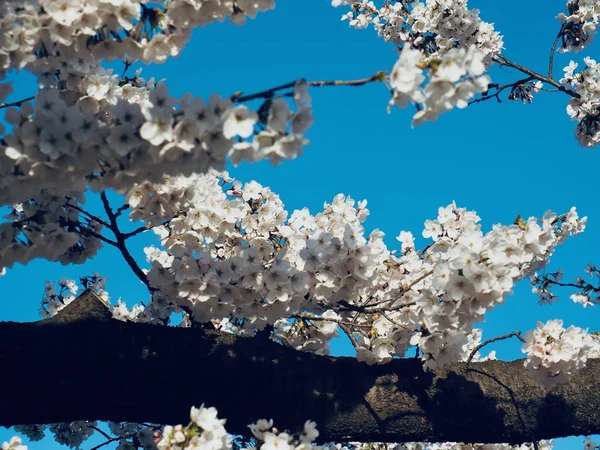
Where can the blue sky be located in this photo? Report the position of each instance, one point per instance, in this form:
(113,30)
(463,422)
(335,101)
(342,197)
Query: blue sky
(498,159)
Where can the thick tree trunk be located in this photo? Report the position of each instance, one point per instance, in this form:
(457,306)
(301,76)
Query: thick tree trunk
(83,364)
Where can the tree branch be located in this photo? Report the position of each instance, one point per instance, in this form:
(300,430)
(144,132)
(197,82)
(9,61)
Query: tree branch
(17,103)
(137,231)
(369,308)
(516,334)
(500,89)
(120,241)
(84,365)
(106,436)
(312,317)
(87,214)
(505,62)
(83,231)
(553,51)
(268,93)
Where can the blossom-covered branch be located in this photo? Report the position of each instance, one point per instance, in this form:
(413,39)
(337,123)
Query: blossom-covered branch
(446,50)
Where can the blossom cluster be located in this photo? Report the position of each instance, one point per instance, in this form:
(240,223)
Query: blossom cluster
(73,434)
(40,35)
(579,25)
(112,135)
(48,37)
(588,444)
(450,80)
(134,435)
(432,26)
(270,438)
(232,255)
(48,226)
(445,46)
(554,352)
(14,444)
(585,109)
(54,301)
(92,127)
(205,431)
(473,272)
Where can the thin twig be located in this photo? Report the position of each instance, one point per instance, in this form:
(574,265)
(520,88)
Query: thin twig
(374,309)
(126,67)
(505,62)
(123,207)
(110,440)
(345,306)
(17,103)
(384,314)
(86,231)
(107,436)
(120,241)
(586,286)
(499,90)
(87,214)
(108,209)
(404,290)
(516,334)
(365,303)
(137,231)
(268,93)
(384,309)
(348,332)
(553,51)
(306,316)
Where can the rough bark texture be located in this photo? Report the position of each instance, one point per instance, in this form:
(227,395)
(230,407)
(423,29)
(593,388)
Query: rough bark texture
(83,364)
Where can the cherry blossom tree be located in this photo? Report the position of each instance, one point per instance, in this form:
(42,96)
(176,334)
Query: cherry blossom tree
(246,295)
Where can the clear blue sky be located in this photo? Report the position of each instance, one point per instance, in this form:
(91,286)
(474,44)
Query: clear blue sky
(498,159)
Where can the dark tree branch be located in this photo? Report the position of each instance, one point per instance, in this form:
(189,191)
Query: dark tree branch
(516,334)
(108,209)
(17,103)
(120,241)
(106,436)
(82,230)
(313,318)
(368,308)
(499,89)
(121,209)
(108,441)
(553,51)
(584,285)
(505,62)
(86,213)
(82,364)
(268,93)
(137,231)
